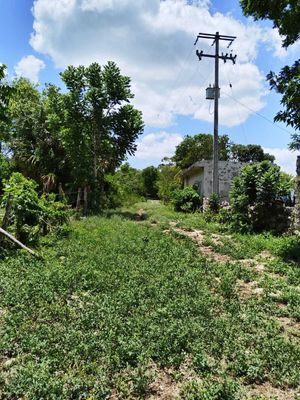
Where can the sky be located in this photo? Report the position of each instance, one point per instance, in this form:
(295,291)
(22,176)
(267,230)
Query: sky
(152,41)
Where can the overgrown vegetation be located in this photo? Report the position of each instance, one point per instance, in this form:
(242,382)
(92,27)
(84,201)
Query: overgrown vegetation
(31,214)
(256,198)
(117,304)
(186,200)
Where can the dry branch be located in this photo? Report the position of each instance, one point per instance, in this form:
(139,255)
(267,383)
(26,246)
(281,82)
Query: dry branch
(13,239)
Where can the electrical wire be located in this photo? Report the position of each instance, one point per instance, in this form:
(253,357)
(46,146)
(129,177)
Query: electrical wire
(257,113)
(236,104)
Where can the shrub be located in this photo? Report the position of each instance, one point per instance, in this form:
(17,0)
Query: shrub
(288,248)
(124,187)
(168,181)
(256,199)
(30,213)
(210,390)
(214,203)
(186,200)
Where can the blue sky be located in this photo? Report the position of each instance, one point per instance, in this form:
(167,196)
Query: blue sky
(152,42)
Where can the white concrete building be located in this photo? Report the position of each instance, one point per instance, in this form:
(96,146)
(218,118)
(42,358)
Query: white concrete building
(201,173)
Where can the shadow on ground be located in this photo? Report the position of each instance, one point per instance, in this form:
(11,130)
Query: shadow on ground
(132,216)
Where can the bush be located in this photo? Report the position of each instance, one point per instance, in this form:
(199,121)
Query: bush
(214,203)
(186,200)
(256,199)
(210,390)
(30,213)
(168,181)
(123,188)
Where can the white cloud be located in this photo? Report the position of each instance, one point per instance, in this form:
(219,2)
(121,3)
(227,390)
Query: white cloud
(285,158)
(150,41)
(29,67)
(155,146)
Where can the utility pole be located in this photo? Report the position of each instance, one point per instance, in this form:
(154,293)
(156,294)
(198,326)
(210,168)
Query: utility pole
(225,57)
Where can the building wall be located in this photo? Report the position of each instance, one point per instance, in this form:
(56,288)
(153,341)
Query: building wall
(227,171)
(196,177)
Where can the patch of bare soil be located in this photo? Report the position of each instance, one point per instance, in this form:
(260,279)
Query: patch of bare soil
(290,326)
(163,387)
(267,391)
(198,237)
(249,289)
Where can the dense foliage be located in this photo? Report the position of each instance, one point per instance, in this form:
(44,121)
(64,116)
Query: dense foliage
(149,177)
(199,147)
(285,15)
(257,198)
(249,153)
(5,94)
(186,200)
(287,83)
(31,214)
(168,180)
(119,307)
(125,186)
(72,140)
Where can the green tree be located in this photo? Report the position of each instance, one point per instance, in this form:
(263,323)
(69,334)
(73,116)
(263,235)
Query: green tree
(5,94)
(33,133)
(5,170)
(249,153)
(101,125)
(285,15)
(255,198)
(168,180)
(287,83)
(125,186)
(199,147)
(149,177)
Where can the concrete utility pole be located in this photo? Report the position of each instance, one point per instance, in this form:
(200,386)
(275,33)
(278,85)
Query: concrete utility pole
(216,40)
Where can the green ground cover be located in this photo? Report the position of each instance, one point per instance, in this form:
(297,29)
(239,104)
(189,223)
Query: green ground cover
(118,303)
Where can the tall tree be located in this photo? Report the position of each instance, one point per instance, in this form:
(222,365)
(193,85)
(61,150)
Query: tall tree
(5,93)
(101,124)
(199,147)
(249,153)
(149,178)
(285,15)
(33,133)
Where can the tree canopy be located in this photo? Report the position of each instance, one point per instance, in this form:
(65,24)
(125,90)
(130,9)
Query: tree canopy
(74,138)
(5,92)
(200,147)
(285,15)
(252,153)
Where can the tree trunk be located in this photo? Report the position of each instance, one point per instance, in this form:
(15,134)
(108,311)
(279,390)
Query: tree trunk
(8,207)
(85,200)
(95,173)
(61,193)
(5,221)
(78,201)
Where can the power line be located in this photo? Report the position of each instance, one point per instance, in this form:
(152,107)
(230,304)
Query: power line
(257,113)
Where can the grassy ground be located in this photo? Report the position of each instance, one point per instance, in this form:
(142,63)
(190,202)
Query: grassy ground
(127,310)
